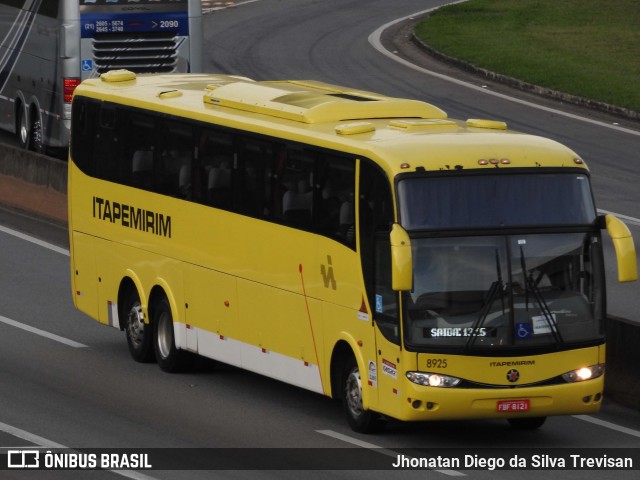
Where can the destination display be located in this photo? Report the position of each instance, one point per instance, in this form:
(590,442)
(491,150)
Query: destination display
(125,16)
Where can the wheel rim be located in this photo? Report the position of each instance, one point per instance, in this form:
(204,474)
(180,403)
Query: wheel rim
(135,325)
(165,334)
(353,393)
(24,130)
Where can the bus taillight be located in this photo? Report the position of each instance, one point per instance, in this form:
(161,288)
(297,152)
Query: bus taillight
(70,85)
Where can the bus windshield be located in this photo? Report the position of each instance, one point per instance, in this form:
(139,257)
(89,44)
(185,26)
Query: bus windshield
(515,291)
(521,289)
(510,291)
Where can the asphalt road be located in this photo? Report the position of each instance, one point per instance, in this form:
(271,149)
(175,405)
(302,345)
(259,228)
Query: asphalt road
(67,381)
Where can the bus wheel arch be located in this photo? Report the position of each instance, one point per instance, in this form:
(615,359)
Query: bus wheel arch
(169,357)
(346,384)
(132,320)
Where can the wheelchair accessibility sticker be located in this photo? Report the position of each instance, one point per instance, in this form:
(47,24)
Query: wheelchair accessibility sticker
(523,330)
(87,65)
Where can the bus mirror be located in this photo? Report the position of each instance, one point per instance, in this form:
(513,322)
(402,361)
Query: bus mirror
(625,250)
(401,262)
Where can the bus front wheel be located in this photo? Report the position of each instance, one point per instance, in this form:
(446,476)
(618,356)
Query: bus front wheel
(170,359)
(139,336)
(359,419)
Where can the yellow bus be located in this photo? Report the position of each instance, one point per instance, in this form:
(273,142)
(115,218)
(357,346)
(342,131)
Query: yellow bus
(363,247)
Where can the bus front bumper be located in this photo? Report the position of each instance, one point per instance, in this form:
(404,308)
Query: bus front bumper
(433,403)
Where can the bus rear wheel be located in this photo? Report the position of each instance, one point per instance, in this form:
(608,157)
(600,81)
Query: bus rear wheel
(139,335)
(359,419)
(36,142)
(529,423)
(170,359)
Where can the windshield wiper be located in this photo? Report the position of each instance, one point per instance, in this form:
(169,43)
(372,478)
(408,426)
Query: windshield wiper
(496,288)
(530,286)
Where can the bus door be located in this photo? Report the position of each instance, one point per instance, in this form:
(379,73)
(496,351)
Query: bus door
(386,317)
(375,216)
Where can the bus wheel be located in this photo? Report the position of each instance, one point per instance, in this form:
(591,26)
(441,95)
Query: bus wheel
(35,138)
(23,129)
(530,423)
(360,420)
(139,335)
(168,356)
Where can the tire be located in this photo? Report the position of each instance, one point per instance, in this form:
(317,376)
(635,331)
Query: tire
(529,423)
(359,419)
(23,132)
(169,358)
(36,143)
(139,334)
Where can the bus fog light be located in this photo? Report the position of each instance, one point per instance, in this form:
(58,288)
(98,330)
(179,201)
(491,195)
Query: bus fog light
(433,379)
(585,373)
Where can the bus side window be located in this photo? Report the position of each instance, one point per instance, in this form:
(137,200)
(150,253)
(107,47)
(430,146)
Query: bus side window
(255,178)
(87,113)
(139,151)
(298,180)
(106,149)
(177,155)
(215,166)
(335,201)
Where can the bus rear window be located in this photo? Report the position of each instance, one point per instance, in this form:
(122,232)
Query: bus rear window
(498,200)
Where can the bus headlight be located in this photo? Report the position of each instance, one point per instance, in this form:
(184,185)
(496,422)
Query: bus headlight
(584,373)
(433,379)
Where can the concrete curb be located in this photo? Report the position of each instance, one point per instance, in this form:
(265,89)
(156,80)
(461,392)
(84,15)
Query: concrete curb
(33,168)
(622,380)
(33,183)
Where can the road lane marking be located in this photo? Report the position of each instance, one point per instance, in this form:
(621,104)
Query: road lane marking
(29,437)
(42,333)
(46,443)
(378,449)
(34,240)
(375,41)
(609,425)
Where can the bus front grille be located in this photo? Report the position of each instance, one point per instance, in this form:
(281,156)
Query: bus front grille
(140,53)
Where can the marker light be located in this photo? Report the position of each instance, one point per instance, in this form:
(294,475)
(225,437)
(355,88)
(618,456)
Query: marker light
(585,373)
(433,379)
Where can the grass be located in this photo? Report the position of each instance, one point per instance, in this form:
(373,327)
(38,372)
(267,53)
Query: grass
(589,48)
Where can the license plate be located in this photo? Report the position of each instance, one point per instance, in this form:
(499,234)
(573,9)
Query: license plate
(521,405)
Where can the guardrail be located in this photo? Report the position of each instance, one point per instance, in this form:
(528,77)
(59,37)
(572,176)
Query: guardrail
(622,382)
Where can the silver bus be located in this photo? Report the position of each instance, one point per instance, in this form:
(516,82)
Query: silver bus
(49,46)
